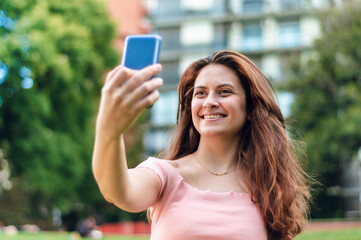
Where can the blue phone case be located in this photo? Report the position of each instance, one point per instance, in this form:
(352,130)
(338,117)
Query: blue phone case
(141,51)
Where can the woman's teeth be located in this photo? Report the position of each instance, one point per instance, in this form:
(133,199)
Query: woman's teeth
(212,116)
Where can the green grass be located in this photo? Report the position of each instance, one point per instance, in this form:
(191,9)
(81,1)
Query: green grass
(344,234)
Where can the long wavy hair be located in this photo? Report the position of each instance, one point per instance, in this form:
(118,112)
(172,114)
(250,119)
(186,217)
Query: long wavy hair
(266,154)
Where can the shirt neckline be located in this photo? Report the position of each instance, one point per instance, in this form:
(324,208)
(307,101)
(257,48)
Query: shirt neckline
(208,191)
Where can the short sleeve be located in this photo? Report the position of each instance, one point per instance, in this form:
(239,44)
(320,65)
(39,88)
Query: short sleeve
(157,166)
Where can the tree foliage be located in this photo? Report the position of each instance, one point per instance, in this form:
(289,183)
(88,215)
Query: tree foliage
(327,103)
(55,54)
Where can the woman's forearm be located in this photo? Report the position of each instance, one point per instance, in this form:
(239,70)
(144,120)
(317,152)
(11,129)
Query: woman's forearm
(110,168)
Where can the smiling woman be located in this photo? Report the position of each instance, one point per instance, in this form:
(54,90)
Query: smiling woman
(230,171)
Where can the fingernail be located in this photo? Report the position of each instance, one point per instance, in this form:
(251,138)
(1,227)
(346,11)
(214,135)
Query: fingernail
(158,66)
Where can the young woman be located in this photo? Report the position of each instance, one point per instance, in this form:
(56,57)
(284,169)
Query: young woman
(230,173)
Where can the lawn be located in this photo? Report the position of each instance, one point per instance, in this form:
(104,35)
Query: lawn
(345,234)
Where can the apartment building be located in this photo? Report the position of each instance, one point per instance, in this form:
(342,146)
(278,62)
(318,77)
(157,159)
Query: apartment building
(267,31)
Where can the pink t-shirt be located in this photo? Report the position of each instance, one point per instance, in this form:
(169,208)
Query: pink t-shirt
(185,212)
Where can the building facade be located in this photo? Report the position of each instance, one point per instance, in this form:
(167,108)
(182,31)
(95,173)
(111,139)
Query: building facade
(268,32)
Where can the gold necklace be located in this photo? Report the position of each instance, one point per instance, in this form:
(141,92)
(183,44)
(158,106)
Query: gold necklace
(210,171)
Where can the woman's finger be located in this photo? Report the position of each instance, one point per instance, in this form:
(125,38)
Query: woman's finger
(144,89)
(147,101)
(120,76)
(112,72)
(140,76)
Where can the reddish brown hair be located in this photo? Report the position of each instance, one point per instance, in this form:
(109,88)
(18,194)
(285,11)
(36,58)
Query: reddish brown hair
(266,154)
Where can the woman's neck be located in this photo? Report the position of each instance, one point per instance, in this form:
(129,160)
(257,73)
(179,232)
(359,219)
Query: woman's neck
(217,154)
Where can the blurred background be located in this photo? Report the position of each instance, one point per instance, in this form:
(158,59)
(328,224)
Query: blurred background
(54,55)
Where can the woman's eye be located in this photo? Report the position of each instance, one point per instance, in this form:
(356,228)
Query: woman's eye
(225,91)
(199,93)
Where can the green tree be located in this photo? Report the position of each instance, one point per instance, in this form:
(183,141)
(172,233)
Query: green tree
(53,54)
(327,106)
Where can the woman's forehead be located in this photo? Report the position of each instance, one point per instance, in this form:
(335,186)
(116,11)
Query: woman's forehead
(216,74)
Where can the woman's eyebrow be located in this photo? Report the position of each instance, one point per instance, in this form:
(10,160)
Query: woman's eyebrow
(219,86)
(225,85)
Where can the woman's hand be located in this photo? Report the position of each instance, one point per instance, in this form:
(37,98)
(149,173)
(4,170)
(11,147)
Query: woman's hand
(125,94)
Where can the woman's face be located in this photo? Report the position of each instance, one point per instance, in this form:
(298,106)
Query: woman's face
(218,103)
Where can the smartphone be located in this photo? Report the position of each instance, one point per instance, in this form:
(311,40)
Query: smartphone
(141,51)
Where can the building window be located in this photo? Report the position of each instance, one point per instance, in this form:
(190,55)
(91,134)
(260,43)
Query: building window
(166,9)
(188,59)
(155,140)
(289,34)
(257,61)
(170,74)
(195,33)
(170,38)
(163,114)
(290,4)
(285,100)
(199,5)
(164,111)
(220,36)
(252,6)
(287,60)
(252,36)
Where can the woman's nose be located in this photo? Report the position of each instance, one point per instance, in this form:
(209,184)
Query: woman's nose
(210,102)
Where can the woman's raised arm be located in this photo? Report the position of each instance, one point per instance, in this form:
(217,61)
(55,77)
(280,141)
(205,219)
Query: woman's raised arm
(124,95)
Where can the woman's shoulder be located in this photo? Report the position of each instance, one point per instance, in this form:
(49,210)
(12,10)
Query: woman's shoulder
(184,165)
(187,168)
